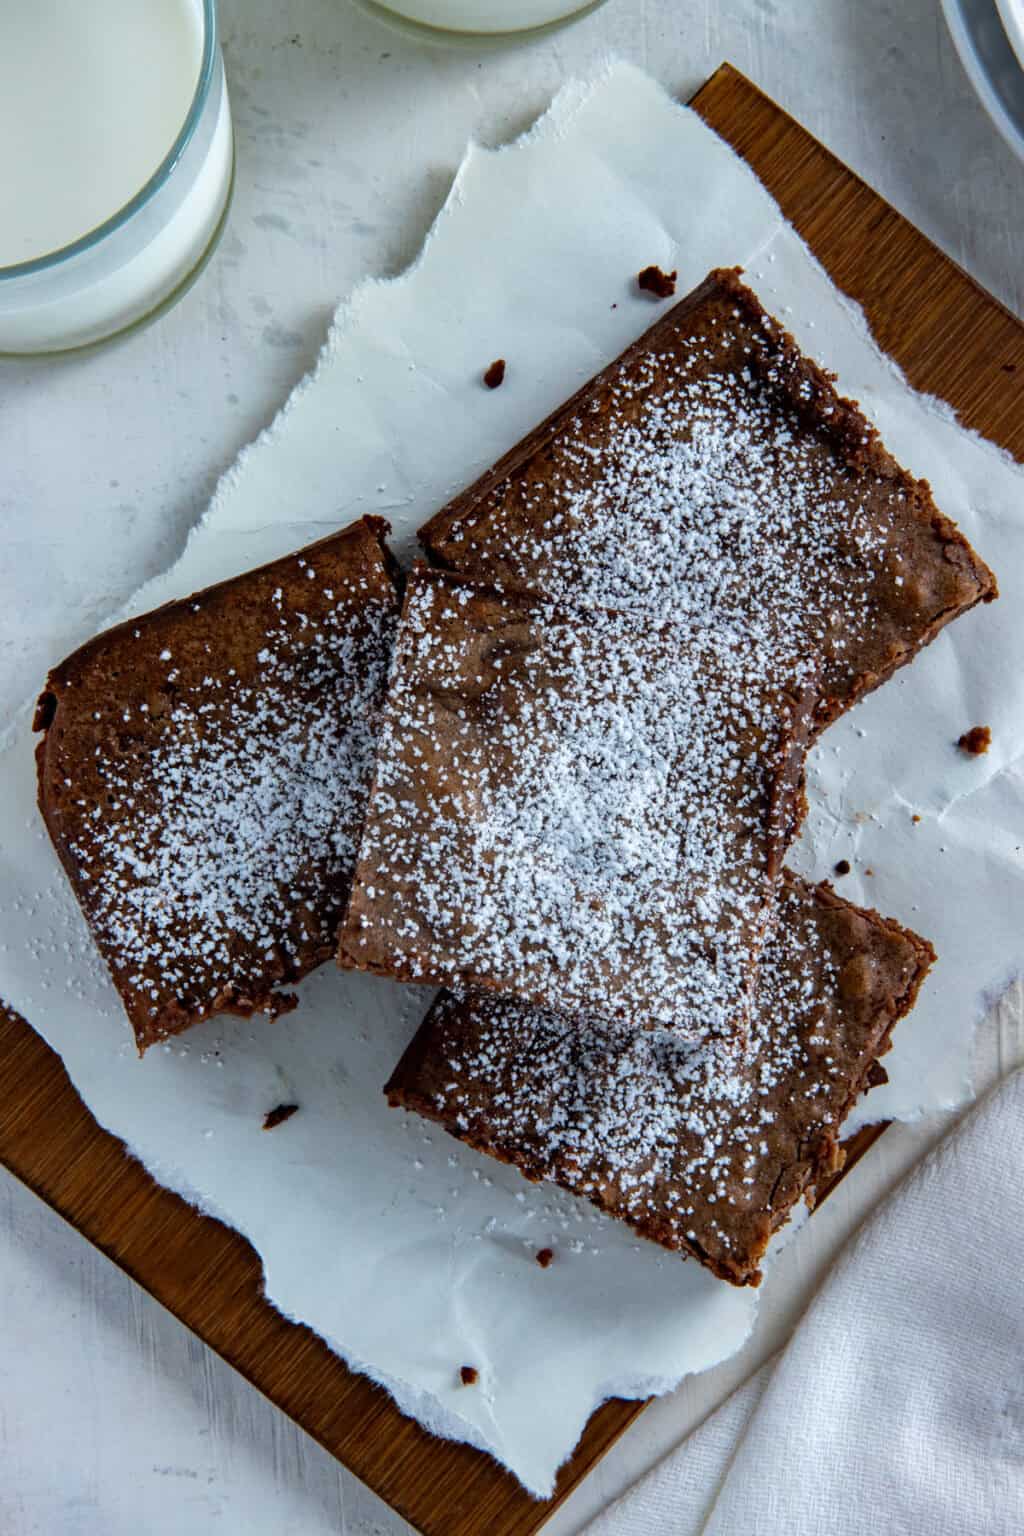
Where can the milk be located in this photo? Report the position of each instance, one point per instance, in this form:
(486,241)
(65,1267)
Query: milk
(495,16)
(93,96)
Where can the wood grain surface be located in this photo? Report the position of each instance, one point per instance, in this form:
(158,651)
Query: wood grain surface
(952,340)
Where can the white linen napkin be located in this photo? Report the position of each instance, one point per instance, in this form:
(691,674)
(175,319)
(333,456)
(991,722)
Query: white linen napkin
(898,1405)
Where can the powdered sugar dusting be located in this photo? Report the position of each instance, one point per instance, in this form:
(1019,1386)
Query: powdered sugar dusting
(714,473)
(701,1147)
(214,857)
(574,806)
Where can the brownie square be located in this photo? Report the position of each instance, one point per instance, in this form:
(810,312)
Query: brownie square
(580,807)
(704,1149)
(714,470)
(204,772)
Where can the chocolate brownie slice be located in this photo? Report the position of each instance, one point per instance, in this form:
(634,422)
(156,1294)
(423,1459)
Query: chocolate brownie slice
(204,773)
(714,470)
(700,1148)
(581,807)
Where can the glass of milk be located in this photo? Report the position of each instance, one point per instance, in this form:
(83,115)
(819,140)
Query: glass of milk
(116,164)
(481,19)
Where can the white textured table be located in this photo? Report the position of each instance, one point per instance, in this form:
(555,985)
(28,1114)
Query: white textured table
(112,1418)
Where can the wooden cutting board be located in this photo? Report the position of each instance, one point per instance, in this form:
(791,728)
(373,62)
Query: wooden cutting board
(952,340)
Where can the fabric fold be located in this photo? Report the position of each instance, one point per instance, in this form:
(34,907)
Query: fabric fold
(898,1405)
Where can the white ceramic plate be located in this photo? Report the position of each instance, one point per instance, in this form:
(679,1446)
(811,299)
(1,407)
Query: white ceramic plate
(983,43)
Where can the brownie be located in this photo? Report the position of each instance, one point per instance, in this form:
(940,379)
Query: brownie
(582,807)
(714,469)
(701,1148)
(204,772)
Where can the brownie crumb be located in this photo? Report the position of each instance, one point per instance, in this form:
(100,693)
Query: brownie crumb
(870,873)
(915,818)
(46,709)
(470,1375)
(279,1115)
(843,867)
(544,1257)
(615,306)
(654,280)
(495,374)
(975,741)
(877,1076)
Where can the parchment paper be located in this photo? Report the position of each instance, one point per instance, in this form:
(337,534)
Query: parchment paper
(410,1255)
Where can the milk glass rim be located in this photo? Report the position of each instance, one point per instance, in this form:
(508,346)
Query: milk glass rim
(461,37)
(159,177)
